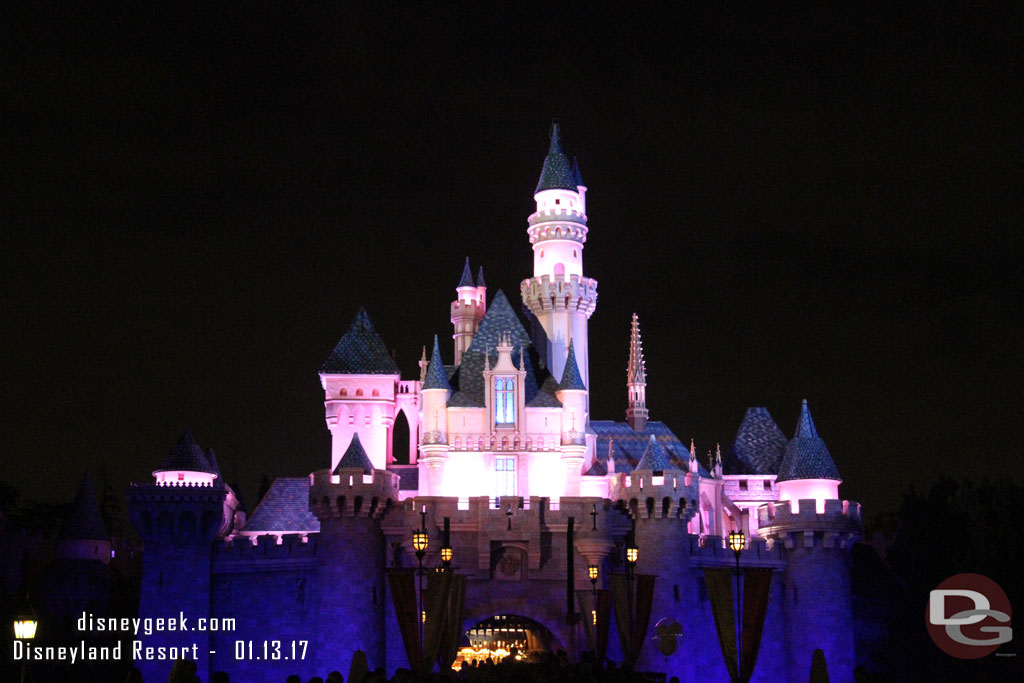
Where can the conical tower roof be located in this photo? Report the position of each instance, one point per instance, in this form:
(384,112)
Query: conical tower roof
(806,456)
(557,173)
(480,282)
(186,456)
(655,458)
(467,276)
(758,447)
(361,351)
(571,378)
(436,377)
(355,458)
(84,520)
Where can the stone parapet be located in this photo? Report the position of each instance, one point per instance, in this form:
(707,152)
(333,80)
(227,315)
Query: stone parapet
(560,293)
(839,526)
(351,493)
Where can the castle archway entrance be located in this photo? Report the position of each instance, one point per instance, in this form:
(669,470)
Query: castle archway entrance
(501,636)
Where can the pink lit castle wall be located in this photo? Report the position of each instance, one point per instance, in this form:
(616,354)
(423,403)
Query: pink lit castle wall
(503,446)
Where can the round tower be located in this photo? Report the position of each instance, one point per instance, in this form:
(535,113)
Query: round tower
(434,448)
(349,502)
(558,295)
(468,309)
(816,533)
(572,393)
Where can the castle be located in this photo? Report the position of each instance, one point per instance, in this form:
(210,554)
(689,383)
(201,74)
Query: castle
(502,450)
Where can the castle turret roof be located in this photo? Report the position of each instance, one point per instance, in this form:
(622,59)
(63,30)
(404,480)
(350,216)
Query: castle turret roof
(436,377)
(758,447)
(576,176)
(499,320)
(619,446)
(284,508)
(467,276)
(571,378)
(84,520)
(186,456)
(557,173)
(655,458)
(806,456)
(480,277)
(361,351)
(355,458)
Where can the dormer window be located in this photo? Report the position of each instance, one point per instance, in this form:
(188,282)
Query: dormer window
(504,401)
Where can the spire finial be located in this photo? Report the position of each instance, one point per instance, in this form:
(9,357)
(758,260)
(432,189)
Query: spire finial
(636,380)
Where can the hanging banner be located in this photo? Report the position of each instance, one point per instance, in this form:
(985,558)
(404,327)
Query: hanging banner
(756,588)
(452,626)
(719,583)
(641,600)
(402,583)
(604,613)
(435,604)
(588,608)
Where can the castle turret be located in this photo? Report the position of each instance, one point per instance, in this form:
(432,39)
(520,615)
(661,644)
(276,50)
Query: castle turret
(83,536)
(360,379)
(178,517)
(467,310)
(572,393)
(558,295)
(349,502)
(807,470)
(636,380)
(434,449)
(816,530)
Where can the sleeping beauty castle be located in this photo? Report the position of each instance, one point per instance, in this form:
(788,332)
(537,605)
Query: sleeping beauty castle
(537,525)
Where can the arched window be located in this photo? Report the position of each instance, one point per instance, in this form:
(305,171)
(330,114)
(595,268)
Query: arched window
(559,269)
(359,392)
(344,392)
(504,401)
(376,392)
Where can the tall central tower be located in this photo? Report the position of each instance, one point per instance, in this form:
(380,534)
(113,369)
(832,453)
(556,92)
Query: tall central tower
(558,295)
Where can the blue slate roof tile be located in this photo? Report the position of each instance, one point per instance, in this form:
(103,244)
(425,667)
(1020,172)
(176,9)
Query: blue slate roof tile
(806,456)
(758,446)
(655,458)
(186,456)
(467,276)
(437,377)
(571,378)
(545,397)
(557,172)
(355,458)
(628,446)
(360,352)
(284,508)
(468,380)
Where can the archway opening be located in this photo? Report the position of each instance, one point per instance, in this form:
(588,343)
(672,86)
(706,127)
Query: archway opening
(400,439)
(501,636)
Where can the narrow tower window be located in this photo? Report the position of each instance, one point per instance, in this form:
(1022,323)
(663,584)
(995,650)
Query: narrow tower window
(505,476)
(504,401)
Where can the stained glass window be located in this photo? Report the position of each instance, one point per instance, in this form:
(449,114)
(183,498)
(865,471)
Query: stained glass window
(504,401)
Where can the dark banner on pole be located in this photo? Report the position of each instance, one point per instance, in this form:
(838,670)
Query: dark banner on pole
(588,608)
(452,626)
(604,613)
(402,583)
(756,587)
(436,607)
(719,582)
(632,642)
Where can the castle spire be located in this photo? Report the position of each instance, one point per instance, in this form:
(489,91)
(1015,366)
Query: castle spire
(467,276)
(636,380)
(479,276)
(435,376)
(557,173)
(571,379)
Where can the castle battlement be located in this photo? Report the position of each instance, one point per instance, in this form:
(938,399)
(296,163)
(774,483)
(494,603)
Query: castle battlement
(351,493)
(838,526)
(647,495)
(267,546)
(547,225)
(560,292)
(711,551)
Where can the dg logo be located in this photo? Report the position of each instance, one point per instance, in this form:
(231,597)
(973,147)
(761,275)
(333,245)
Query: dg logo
(968,616)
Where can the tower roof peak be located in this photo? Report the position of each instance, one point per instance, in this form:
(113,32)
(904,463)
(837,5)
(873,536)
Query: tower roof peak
(355,458)
(186,456)
(806,456)
(557,172)
(571,378)
(84,521)
(436,377)
(467,276)
(361,351)
(655,458)
(480,277)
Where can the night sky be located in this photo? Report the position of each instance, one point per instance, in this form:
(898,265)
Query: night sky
(799,203)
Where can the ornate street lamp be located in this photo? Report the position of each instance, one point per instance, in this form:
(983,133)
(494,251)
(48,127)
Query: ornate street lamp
(737,541)
(419,544)
(446,557)
(592,575)
(632,555)
(25,625)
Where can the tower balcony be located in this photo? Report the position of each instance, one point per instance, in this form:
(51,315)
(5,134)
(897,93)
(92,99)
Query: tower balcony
(571,293)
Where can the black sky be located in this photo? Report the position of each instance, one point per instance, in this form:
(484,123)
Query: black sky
(798,203)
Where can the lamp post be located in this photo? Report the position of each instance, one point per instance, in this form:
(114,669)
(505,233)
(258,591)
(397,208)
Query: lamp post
(737,541)
(632,555)
(419,544)
(25,625)
(446,558)
(592,574)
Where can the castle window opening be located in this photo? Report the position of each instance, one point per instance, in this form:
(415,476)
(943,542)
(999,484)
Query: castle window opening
(504,401)
(505,476)
(743,484)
